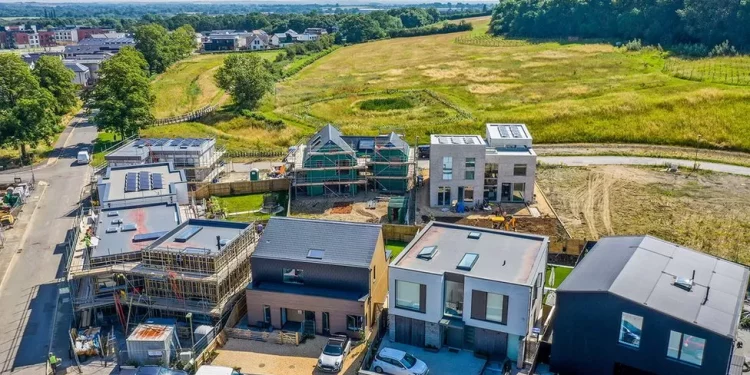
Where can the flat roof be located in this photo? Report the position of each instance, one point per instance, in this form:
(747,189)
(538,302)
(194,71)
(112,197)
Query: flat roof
(140,148)
(148,219)
(112,186)
(643,269)
(507,131)
(306,290)
(203,236)
(502,256)
(457,139)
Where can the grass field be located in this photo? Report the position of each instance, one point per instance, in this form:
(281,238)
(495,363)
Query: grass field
(396,247)
(249,202)
(189,84)
(561,273)
(454,83)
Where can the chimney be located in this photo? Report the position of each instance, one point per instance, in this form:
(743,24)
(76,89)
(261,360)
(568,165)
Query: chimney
(218,242)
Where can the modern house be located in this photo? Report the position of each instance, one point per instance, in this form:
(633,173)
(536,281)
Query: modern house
(467,170)
(330,163)
(199,158)
(318,276)
(280,40)
(468,288)
(92,46)
(224,42)
(134,185)
(92,61)
(311,34)
(642,305)
(258,40)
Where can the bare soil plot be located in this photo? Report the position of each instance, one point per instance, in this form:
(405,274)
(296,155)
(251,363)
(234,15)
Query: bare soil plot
(332,209)
(701,210)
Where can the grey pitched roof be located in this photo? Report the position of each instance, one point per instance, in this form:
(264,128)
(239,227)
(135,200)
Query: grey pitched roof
(326,135)
(394,140)
(76,67)
(642,269)
(343,243)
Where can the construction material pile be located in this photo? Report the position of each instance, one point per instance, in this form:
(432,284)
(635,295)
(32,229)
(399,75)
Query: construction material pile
(87,341)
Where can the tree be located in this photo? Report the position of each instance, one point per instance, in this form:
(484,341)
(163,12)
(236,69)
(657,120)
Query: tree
(246,77)
(182,42)
(123,94)
(58,80)
(26,109)
(152,40)
(358,28)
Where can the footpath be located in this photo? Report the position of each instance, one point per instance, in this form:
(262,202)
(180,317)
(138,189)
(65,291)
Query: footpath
(14,237)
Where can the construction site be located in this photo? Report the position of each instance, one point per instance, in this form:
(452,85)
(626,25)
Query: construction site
(330,164)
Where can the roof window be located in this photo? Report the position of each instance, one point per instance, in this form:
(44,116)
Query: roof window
(427,252)
(467,262)
(475,235)
(315,253)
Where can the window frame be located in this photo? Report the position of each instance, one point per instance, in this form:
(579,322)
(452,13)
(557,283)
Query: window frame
(420,297)
(622,325)
(469,175)
(358,319)
(472,163)
(503,313)
(525,170)
(683,337)
(447,168)
(513,192)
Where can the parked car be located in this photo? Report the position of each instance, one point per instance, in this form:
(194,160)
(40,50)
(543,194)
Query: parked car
(397,362)
(83,157)
(423,151)
(334,353)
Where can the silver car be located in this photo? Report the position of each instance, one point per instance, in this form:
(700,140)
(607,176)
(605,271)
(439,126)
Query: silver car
(334,353)
(397,362)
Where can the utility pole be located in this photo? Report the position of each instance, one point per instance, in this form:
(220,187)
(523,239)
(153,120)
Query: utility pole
(414,179)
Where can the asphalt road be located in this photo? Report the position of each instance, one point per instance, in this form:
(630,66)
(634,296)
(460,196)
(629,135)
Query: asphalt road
(29,289)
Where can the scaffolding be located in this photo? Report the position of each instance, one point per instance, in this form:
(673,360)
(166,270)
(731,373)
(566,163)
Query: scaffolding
(167,279)
(389,167)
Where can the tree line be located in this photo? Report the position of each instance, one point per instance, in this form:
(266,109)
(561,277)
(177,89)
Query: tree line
(665,22)
(32,101)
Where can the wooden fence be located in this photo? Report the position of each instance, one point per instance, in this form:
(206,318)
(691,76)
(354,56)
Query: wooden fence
(255,154)
(225,189)
(186,117)
(403,233)
(246,334)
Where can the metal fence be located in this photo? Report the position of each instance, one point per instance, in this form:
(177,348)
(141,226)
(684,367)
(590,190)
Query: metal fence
(255,154)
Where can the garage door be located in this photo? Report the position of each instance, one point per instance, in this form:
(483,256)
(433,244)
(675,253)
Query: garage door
(409,331)
(494,344)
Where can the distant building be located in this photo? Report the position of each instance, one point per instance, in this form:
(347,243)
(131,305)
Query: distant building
(280,40)
(311,34)
(133,185)
(468,170)
(642,305)
(92,46)
(258,40)
(92,61)
(82,73)
(199,158)
(224,42)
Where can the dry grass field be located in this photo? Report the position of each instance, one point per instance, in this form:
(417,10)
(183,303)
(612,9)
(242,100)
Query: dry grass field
(704,211)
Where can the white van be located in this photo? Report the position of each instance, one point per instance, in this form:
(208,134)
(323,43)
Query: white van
(216,370)
(83,157)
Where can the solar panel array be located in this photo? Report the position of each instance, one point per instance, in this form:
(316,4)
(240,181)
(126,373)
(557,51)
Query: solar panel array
(169,142)
(503,132)
(143,181)
(515,131)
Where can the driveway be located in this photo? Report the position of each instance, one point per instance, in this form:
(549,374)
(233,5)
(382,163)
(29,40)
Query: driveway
(29,289)
(444,362)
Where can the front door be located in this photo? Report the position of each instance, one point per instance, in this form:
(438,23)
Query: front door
(283,317)
(326,324)
(460,194)
(310,321)
(267,315)
(505,192)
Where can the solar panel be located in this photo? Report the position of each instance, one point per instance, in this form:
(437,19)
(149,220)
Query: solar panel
(139,142)
(144,182)
(156,181)
(148,236)
(128,227)
(186,142)
(367,144)
(176,142)
(515,132)
(503,131)
(187,233)
(197,142)
(160,142)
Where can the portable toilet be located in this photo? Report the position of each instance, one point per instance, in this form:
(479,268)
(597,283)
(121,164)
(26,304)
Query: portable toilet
(254,174)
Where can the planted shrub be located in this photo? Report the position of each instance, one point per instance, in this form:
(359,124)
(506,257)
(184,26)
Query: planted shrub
(723,49)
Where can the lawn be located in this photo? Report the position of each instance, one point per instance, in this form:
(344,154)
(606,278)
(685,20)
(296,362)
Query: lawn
(396,247)
(104,141)
(189,84)
(564,91)
(561,272)
(249,202)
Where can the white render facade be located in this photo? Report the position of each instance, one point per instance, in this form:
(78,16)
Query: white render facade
(468,169)
(488,308)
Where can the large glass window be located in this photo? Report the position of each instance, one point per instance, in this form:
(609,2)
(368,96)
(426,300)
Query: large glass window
(630,330)
(469,175)
(519,169)
(408,295)
(444,196)
(293,276)
(495,305)
(468,193)
(471,162)
(447,168)
(353,322)
(454,298)
(518,191)
(686,348)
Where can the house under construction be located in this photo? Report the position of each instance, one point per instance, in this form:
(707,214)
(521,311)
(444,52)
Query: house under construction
(145,259)
(330,164)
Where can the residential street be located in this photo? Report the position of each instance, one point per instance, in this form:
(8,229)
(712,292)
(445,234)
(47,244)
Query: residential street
(34,265)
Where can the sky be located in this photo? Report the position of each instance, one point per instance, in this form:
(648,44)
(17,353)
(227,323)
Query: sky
(341,2)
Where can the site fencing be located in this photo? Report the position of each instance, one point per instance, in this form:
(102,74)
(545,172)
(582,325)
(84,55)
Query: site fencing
(186,117)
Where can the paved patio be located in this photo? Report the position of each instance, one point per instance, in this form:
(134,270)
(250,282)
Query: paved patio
(443,362)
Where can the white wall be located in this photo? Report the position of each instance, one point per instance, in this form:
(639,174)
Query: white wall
(434,289)
(519,300)
(459,154)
